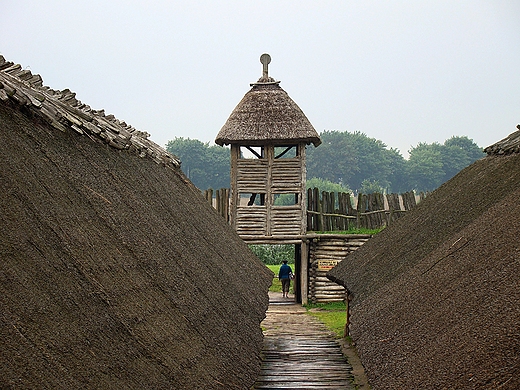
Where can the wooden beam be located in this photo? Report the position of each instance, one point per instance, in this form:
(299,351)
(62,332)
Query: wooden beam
(304,276)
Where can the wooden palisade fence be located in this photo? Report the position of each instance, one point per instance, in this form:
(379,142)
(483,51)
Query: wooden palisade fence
(371,211)
(221,201)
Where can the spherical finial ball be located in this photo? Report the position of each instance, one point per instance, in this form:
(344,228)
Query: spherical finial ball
(265,59)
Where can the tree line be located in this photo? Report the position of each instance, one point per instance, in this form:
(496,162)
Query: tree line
(347,161)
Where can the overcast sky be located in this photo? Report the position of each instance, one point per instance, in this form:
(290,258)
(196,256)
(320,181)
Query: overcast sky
(402,72)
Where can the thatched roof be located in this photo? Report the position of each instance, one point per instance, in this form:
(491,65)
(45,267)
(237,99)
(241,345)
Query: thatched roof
(267,114)
(510,144)
(436,296)
(63,111)
(115,272)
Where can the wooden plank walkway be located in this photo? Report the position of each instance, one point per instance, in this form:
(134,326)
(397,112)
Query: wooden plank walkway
(299,351)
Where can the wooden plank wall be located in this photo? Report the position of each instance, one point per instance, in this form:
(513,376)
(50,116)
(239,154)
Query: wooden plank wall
(270,176)
(286,220)
(252,175)
(251,221)
(325,251)
(286,174)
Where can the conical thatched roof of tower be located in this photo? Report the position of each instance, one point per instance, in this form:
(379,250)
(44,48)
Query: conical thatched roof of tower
(115,272)
(267,113)
(436,296)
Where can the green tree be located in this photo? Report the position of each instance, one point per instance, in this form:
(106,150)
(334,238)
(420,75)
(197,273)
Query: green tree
(326,185)
(350,158)
(273,254)
(467,145)
(334,160)
(425,167)
(458,153)
(430,165)
(398,179)
(370,187)
(206,166)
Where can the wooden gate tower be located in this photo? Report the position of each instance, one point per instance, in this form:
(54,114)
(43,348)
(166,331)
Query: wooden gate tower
(268,134)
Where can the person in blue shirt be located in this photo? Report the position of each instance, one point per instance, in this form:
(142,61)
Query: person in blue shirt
(285,275)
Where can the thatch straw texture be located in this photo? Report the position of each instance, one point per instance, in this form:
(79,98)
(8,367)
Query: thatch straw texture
(266,114)
(436,296)
(115,273)
(510,144)
(61,110)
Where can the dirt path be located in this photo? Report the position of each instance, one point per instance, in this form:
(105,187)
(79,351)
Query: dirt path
(301,353)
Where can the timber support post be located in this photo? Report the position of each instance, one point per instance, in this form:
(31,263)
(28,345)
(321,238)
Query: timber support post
(304,271)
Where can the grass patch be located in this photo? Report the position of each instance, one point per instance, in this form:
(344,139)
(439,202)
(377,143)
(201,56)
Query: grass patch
(333,315)
(277,285)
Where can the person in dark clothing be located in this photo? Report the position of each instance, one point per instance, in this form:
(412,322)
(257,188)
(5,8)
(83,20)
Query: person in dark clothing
(285,275)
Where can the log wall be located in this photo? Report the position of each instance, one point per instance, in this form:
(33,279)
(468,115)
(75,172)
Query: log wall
(268,176)
(325,251)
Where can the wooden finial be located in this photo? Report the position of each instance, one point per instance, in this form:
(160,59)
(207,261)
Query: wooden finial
(265,59)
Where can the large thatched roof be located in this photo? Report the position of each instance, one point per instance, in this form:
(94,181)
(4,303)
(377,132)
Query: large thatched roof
(436,296)
(114,271)
(267,114)
(61,110)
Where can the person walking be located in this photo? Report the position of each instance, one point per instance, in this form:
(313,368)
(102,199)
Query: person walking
(285,275)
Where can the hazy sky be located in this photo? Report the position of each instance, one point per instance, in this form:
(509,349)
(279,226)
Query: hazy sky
(403,72)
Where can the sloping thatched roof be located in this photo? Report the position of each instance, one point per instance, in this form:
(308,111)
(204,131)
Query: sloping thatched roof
(267,114)
(115,272)
(510,144)
(64,112)
(436,296)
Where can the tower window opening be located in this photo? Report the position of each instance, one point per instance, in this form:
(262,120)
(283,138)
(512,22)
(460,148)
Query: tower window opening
(290,151)
(286,199)
(252,152)
(252,199)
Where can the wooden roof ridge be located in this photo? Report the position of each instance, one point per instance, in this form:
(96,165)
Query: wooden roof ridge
(63,111)
(267,113)
(508,145)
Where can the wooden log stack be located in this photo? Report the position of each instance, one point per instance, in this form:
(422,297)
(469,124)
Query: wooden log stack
(325,251)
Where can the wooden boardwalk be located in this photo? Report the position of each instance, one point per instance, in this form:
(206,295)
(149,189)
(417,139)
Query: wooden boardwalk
(299,351)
